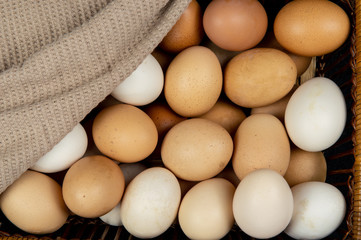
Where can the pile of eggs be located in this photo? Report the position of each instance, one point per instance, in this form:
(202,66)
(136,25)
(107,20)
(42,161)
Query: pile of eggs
(212,130)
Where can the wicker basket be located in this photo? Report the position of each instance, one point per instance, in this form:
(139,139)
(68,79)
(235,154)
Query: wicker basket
(343,159)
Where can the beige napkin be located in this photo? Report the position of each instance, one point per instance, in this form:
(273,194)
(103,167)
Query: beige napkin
(59,59)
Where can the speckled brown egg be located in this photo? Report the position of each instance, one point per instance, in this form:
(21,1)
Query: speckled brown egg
(188,30)
(193,81)
(306,166)
(196,149)
(259,77)
(124,133)
(261,141)
(34,203)
(93,186)
(226,114)
(311,27)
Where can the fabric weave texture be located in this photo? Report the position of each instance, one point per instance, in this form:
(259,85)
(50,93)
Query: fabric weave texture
(59,59)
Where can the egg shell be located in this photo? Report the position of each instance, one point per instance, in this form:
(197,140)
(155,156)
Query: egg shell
(188,30)
(143,85)
(315,115)
(196,149)
(261,141)
(206,210)
(93,186)
(263,204)
(193,81)
(306,167)
(235,25)
(319,208)
(226,114)
(304,27)
(124,133)
(34,196)
(70,149)
(150,203)
(251,77)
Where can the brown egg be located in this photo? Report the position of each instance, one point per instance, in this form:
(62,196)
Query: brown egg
(188,30)
(124,133)
(306,166)
(302,62)
(235,25)
(261,141)
(34,203)
(193,81)
(196,149)
(226,114)
(259,77)
(93,186)
(311,27)
(276,109)
(164,119)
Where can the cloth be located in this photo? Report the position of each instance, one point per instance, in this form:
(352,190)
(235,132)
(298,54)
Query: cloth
(59,59)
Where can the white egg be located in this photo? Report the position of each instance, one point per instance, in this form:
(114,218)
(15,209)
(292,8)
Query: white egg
(315,115)
(143,86)
(70,149)
(150,203)
(113,217)
(263,204)
(319,208)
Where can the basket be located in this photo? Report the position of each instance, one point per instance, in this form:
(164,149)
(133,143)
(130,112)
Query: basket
(343,158)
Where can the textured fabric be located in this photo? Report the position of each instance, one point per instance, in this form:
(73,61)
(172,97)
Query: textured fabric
(59,59)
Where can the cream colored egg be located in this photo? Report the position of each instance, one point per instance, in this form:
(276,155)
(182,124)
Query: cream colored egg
(34,203)
(196,149)
(263,204)
(193,81)
(261,141)
(150,203)
(206,209)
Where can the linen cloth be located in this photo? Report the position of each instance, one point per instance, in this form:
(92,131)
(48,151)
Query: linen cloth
(59,59)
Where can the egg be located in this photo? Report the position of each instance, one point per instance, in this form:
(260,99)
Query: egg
(235,25)
(226,114)
(305,167)
(304,27)
(143,85)
(319,208)
(70,149)
(251,76)
(315,115)
(124,133)
(113,217)
(261,141)
(34,203)
(150,203)
(196,149)
(193,81)
(206,210)
(93,186)
(263,204)
(187,31)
